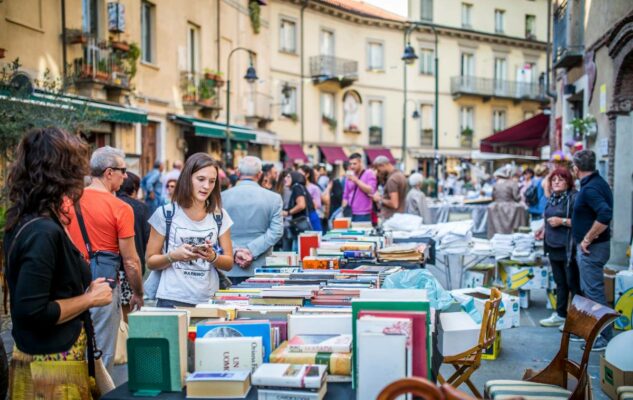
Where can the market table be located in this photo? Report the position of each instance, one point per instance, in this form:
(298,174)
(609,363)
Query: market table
(448,213)
(335,391)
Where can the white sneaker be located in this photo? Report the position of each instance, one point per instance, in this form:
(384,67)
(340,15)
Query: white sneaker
(553,320)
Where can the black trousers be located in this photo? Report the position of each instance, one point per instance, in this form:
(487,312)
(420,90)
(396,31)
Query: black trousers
(567,281)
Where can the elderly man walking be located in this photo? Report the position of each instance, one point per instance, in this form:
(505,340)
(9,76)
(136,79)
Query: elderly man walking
(593,211)
(257,219)
(103,225)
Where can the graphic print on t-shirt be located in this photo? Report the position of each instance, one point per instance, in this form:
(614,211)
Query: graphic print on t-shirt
(194,269)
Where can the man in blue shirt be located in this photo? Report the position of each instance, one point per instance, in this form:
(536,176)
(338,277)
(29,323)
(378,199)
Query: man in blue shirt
(536,210)
(593,211)
(153,187)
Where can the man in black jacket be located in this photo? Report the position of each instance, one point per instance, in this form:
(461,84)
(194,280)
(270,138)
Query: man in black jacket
(593,211)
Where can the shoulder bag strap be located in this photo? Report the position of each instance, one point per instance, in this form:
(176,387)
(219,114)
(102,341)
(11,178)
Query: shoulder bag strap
(218,221)
(16,237)
(169,217)
(82,227)
(356,188)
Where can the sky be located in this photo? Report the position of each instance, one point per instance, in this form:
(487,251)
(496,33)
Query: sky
(395,6)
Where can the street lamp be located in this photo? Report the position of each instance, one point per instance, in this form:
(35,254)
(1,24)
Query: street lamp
(416,113)
(250,77)
(409,57)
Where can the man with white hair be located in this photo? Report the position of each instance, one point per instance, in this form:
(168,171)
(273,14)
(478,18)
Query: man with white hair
(102,227)
(415,203)
(257,219)
(395,188)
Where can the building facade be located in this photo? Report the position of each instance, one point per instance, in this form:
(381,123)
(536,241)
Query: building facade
(592,59)
(330,78)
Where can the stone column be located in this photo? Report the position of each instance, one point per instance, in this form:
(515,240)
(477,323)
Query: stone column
(622,189)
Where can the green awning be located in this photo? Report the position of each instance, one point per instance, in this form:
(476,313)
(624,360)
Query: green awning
(110,112)
(216,130)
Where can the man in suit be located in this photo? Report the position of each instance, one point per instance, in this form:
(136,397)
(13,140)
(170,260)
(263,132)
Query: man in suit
(257,219)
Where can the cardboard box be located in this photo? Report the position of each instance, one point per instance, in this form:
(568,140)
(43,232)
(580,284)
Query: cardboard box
(624,299)
(609,284)
(509,309)
(524,298)
(492,352)
(525,278)
(457,333)
(611,377)
(477,278)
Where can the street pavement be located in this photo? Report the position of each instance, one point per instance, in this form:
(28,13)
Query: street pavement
(529,346)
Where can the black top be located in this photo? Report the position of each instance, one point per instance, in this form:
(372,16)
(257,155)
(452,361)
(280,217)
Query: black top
(336,195)
(594,202)
(297,191)
(43,266)
(558,240)
(141,226)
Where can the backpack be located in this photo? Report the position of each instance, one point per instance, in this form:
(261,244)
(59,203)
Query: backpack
(531,195)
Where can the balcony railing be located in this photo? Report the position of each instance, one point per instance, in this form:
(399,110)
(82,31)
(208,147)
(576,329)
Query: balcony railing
(198,90)
(486,87)
(375,135)
(100,64)
(568,47)
(259,106)
(331,68)
(426,137)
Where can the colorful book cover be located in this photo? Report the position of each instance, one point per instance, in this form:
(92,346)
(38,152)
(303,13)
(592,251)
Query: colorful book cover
(320,343)
(337,363)
(252,328)
(359,305)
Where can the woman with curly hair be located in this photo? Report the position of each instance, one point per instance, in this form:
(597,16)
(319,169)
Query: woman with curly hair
(49,282)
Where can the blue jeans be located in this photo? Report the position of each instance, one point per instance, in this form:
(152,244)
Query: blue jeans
(590,267)
(361,218)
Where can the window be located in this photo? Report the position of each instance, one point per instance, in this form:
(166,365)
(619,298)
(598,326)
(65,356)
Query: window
(468,65)
(427,123)
(530,27)
(466,127)
(467,15)
(327,105)
(499,21)
(375,122)
(498,120)
(426,10)
(288,36)
(500,74)
(289,105)
(148,29)
(427,61)
(193,52)
(375,56)
(327,43)
(91,17)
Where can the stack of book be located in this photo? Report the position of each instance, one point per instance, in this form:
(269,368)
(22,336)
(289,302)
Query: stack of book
(402,252)
(290,381)
(218,385)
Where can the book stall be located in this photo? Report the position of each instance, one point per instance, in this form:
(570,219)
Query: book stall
(350,312)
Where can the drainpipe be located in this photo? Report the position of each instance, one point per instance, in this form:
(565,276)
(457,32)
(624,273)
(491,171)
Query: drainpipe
(550,75)
(219,39)
(64,50)
(303,7)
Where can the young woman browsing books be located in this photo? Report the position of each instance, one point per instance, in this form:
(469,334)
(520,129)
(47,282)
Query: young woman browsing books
(189,246)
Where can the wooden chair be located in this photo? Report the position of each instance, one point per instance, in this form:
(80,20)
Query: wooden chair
(421,388)
(585,318)
(469,361)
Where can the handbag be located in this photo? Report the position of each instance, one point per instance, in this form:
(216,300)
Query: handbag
(120,354)
(300,224)
(103,264)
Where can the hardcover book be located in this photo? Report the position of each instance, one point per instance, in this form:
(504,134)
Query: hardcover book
(320,344)
(337,363)
(228,354)
(241,328)
(216,385)
(290,376)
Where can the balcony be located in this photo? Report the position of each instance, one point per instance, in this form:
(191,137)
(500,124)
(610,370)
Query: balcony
(426,137)
(568,47)
(259,108)
(333,69)
(199,91)
(375,135)
(494,88)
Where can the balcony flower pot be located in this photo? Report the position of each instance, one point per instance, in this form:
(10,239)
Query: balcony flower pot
(76,36)
(188,98)
(120,46)
(206,102)
(330,121)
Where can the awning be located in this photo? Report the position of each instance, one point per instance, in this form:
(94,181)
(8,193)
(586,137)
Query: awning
(294,152)
(525,138)
(379,151)
(216,130)
(333,154)
(479,155)
(110,111)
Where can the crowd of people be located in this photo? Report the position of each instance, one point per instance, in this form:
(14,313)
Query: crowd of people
(79,239)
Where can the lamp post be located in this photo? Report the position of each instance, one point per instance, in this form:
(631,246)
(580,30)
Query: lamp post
(251,76)
(409,58)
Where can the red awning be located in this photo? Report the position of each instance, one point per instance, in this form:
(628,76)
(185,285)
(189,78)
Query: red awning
(294,152)
(333,154)
(527,136)
(379,151)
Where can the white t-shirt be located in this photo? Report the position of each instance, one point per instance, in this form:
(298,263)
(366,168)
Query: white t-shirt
(194,281)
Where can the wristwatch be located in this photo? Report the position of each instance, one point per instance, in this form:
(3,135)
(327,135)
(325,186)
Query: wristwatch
(564,221)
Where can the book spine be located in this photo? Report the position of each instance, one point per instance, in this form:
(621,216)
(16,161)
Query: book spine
(318,348)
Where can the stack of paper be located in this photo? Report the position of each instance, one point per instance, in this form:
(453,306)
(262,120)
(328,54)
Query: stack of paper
(481,247)
(402,252)
(503,245)
(523,247)
(455,243)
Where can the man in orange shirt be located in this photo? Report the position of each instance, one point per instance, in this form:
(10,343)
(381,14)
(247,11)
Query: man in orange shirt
(109,225)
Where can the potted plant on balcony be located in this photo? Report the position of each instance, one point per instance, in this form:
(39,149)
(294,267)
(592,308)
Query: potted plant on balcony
(121,46)
(131,60)
(584,127)
(190,94)
(76,36)
(291,116)
(206,94)
(254,12)
(467,137)
(331,121)
(102,70)
(214,76)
